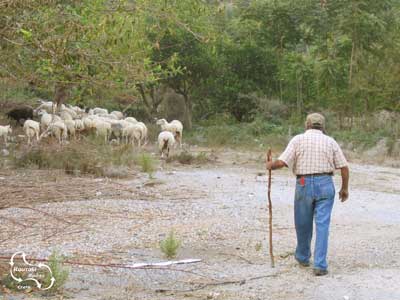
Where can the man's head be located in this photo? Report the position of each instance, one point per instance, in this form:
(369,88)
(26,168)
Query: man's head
(315,121)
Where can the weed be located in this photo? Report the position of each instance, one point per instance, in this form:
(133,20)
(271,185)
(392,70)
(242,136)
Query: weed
(258,246)
(170,245)
(147,164)
(87,156)
(58,272)
(187,158)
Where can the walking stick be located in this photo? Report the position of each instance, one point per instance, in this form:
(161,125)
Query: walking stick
(271,252)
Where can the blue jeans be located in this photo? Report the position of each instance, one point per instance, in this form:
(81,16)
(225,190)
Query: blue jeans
(313,200)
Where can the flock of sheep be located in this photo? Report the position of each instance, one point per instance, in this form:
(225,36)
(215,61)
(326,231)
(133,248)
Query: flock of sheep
(71,121)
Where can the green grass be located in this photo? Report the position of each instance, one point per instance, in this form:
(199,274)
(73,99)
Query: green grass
(187,158)
(170,246)
(147,163)
(87,156)
(58,271)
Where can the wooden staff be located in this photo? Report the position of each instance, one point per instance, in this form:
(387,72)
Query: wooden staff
(271,252)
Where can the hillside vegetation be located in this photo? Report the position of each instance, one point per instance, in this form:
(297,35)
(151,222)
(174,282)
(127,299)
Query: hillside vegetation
(246,69)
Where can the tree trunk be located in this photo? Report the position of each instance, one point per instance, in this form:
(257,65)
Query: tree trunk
(60,95)
(188,111)
(351,63)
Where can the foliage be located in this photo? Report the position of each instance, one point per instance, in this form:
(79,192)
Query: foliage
(88,156)
(187,158)
(170,245)
(147,164)
(58,271)
(222,57)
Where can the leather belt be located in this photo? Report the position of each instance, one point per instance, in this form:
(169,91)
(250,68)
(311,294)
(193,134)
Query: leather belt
(316,174)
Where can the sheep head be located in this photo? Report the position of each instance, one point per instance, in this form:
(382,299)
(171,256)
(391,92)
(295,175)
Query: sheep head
(161,122)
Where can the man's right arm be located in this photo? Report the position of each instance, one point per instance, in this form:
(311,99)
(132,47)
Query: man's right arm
(344,191)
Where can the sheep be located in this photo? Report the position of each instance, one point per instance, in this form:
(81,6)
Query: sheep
(131,120)
(70,124)
(65,115)
(76,109)
(132,133)
(97,110)
(59,130)
(108,116)
(20,114)
(46,119)
(166,141)
(31,129)
(143,128)
(117,130)
(70,111)
(118,114)
(79,126)
(174,126)
(5,131)
(102,128)
(45,105)
(88,123)
(144,132)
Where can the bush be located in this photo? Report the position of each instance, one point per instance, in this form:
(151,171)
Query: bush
(146,162)
(170,245)
(187,158)
(88,156)
(58,272)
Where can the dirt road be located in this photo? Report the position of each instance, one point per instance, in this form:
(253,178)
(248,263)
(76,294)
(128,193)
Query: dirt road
(219,213)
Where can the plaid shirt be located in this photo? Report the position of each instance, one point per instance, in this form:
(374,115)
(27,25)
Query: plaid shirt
(313,152)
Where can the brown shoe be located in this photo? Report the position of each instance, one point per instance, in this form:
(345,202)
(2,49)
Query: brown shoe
(320,272)
(303,264)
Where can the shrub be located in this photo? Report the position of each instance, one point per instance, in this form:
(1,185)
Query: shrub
(58,272)
(146,162)
(187,158)
(87,156)
(170,245)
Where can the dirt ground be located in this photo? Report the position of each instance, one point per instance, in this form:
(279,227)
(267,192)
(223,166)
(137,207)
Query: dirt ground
(219,213)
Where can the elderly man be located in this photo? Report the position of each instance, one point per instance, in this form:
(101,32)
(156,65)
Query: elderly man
(313,157)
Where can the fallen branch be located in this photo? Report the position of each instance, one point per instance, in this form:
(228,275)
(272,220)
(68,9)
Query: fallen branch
(202,286)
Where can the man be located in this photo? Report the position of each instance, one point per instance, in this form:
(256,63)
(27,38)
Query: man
(313,157)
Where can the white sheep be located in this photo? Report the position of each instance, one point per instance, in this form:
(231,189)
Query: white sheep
(108,116)
(102,128)
(166,141)
(174,126)
(70,124)
(66,115)
(144,132)
(97,111)
(5,131)
(88,123)
(31,129)
(132,133)
(59,130)
(131,120)
(118,114)
(46,119)
(45,105)
(79,126)
(142,125)
(76,109)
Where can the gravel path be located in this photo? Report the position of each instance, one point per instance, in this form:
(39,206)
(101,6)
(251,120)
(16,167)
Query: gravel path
(219,213)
